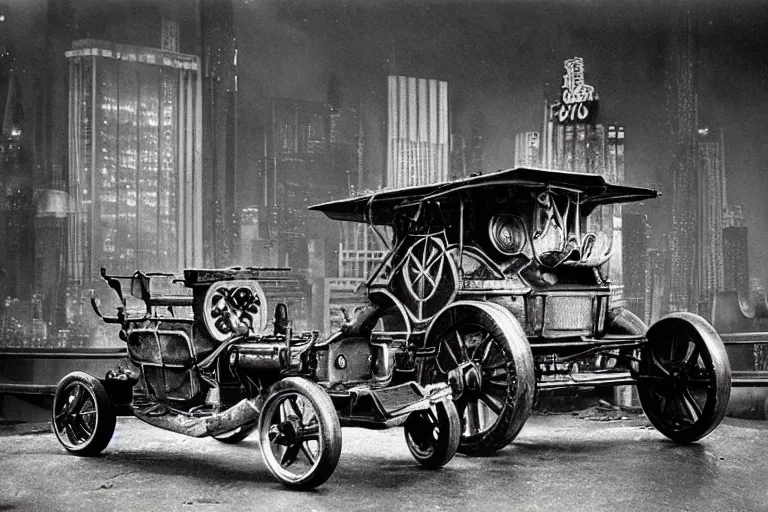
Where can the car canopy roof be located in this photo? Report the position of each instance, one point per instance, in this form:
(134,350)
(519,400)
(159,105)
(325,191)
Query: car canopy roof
(379,207)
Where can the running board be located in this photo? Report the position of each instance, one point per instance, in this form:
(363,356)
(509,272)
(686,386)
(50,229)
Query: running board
(587,379)
(385,407)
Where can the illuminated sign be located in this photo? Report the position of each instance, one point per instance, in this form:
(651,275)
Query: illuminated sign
(578,101)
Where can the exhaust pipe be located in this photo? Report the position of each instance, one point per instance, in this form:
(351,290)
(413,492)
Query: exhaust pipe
(244,412)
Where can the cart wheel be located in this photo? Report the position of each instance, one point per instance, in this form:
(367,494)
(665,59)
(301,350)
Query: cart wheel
(482,352)
(299,433)
(433,434)
(83,417)
(237,435)
(684,381)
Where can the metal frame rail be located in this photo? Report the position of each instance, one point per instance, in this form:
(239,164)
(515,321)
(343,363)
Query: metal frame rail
(740,378)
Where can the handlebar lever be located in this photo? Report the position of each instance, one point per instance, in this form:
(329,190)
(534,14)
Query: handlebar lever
(106,319)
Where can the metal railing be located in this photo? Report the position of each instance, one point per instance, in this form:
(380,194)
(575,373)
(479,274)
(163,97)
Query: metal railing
(27,388)
(747,378)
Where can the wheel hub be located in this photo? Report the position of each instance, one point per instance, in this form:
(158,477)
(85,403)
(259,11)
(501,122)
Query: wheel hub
(286,432)
(466,380)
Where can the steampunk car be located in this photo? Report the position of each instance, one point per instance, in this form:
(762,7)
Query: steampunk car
(498,285)
(205,360)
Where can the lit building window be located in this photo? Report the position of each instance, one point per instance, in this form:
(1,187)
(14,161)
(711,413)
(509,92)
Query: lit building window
(135,170)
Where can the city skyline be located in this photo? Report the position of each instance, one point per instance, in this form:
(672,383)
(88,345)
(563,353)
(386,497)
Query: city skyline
(261,76)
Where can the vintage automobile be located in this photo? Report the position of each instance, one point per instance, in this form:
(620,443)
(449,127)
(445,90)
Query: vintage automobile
(498,284)
(206,361)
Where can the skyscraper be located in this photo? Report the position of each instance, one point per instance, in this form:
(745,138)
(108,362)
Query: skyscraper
(710,171)
(682,242)
(418,145)
(135,172)
(735,254)
(527,149)
(313,159)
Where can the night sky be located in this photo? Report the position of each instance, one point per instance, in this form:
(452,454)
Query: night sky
(501,58)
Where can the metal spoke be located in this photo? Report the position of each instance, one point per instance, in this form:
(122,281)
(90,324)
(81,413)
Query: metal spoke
(290,454)
(473,416)
(693,355)
(496,366)
(450,352)
(667,403)
(683,410)
(463,348)
(672,348)
(76,398)
(657,363)
(691,402)
(489,401)
(307,453)
(488,346)
(71,433)
(296,409)
(85,428)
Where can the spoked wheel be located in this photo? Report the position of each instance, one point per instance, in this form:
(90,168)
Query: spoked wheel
(83,418)
(482,353)
(299,433)
(235,436)
(684,381)
(433,434)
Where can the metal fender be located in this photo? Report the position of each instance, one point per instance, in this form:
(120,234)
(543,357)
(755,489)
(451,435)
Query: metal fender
(503,318)
(623,321)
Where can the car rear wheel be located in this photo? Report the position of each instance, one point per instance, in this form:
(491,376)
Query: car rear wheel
(481,351)
(684,381)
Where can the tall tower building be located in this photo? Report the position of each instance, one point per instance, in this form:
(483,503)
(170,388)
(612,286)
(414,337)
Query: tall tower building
(418,145)
(527,149)
(735,253)
(135,170)
(16,206)
(683,243)
(710,169)
(219,111)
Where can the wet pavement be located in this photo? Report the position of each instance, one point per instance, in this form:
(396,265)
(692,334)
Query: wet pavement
(559,462)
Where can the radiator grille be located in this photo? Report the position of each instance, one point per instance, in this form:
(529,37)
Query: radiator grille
(569,314)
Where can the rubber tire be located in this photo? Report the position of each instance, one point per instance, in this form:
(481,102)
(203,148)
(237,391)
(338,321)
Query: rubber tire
(695,327)
(105,414)
(237,435)
(330,429)
(449,427)
(517,407)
